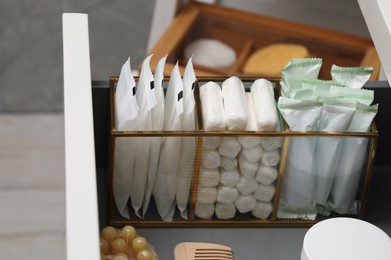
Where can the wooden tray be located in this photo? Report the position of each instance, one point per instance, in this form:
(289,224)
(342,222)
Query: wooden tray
(246,32)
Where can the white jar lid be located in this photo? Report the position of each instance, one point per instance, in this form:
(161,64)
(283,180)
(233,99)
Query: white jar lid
(345,238)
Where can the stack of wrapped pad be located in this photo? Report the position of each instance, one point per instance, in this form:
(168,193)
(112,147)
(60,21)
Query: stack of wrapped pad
(238,173)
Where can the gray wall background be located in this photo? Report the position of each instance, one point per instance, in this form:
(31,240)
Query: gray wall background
(31,39)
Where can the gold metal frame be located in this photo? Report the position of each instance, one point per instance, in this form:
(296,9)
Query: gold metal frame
(113,215)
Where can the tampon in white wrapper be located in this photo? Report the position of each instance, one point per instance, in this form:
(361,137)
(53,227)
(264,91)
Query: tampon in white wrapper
(210,142)
(271,143)
(235,106)
(210,159)
(207,194)
(250,141)
(226,195)
(212,107)
(266,174)
(246,186)
(264,105)
(271,158)
(252,154)
(262,210)
(264,192)
(247,168)
(246,203)
(204,210)
(208,177)
(229,163)
(229,146)
(225,211)
(229,178)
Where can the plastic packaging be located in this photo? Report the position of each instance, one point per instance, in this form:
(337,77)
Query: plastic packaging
(235,107)
(212,107)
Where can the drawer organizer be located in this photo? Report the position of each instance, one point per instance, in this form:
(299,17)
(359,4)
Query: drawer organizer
(152,218)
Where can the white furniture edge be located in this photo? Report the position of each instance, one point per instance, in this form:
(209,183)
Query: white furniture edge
(377,15)
(82,225)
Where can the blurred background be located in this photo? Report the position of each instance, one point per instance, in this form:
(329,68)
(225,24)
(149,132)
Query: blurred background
(31,39)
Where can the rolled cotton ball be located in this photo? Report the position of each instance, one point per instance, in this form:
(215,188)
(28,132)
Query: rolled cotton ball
(204,210)
(249,141)
(212,107)
(226,195)
(208,177)
(210,159)
(229,147)
(235,105)
(271,158)
(271,143)
(229,178)
(210,53)
(211,142)
(229,163)
(262,210)
(225,211)
(245,203)
(247,168)
(264,193)
(252,154)
(246,186)
(206,194)
(266,174)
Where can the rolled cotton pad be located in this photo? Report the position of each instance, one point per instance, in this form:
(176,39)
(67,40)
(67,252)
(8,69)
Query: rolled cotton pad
(252,154)
(208,177)
(229,178)
(247,168)
(226,195)
(204,210)
(211,142)
(262,210)
(235,105)
(210,159)
(225,211)
(245,204)
(271,143)
(229,146)
(270,60)
(266,174)
(212,107)
(246,186)
(206,194)
(271,158)
(264,192)
(229,163)
(210,53)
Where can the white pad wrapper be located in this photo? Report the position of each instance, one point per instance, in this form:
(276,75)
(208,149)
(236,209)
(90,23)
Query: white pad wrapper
(229,146)
(246,186)
(262,210)
(245,204)
(264,105)
(264,193)
(266,174)
(225,211)
(210,159)
(226,195)
(235,106)
(204,210)
(208,177)
(212,107)
(229,178)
